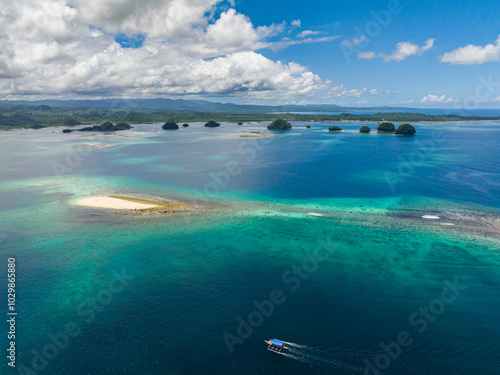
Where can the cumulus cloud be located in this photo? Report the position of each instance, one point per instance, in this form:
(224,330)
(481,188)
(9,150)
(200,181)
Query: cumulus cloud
(69,48)
(297,23)
(402,52)
(431,99)
(157,18)
(232,30)
(472,54)
(406,49)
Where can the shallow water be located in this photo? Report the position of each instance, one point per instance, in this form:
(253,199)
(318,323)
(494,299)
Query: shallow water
(274,200)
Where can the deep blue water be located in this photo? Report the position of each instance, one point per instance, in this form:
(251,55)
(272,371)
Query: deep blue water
(194,276)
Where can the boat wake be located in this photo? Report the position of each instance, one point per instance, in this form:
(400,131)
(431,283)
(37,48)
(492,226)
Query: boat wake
(325,358)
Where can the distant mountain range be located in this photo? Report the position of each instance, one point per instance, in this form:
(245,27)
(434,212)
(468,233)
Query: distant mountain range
(181,105)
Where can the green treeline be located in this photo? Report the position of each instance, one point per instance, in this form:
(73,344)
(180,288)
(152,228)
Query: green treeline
(17,116)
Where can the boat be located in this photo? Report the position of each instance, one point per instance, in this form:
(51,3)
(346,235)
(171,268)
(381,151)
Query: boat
(276,346)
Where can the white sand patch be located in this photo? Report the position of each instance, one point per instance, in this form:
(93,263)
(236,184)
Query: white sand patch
(431,217)
(314,214)
(97,146)
(115,203)
(448,224)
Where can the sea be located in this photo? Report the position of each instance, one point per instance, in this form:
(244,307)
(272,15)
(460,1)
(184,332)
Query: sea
(365,253)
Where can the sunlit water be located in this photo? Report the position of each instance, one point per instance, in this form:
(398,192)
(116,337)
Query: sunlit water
(272,202)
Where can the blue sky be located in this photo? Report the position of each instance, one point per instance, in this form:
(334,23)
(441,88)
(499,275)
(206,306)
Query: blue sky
(453,24)
(356,53)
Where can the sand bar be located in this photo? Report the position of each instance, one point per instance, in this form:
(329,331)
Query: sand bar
(119,202)
(431,217)
(115,203)
(257,135)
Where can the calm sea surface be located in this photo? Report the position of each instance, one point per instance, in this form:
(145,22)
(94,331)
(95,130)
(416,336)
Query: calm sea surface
(194,289)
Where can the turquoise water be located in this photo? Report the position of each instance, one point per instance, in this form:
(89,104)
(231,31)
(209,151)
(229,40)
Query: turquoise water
(266,205)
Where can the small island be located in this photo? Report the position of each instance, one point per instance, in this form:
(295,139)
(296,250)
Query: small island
(120,202)
(279,124)
(170,125)
(212,124)
(185,125)
(106,127)
(365,129)
(122,126)
(406,129)
(334,129)
(387,127)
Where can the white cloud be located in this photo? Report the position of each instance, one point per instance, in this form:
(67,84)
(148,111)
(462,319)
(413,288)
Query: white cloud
(232,31)
(437,99)
(472,55)
(305,33)
(157,18)
(406,49)
(497,99)
(287,42)
(341,91)
(366,55)
(297,23)
(67,48)
(353,42)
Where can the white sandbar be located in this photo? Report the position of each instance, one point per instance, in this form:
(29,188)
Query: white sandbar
(115,203)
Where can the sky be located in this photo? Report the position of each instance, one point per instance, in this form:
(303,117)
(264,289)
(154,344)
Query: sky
(421,54)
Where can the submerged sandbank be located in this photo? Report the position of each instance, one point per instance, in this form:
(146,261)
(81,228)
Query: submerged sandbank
(130,203)
(257,135)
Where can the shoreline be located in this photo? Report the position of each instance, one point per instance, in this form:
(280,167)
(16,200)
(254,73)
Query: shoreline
(306,119)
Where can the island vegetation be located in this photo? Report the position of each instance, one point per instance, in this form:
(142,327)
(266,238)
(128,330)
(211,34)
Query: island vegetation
(406,129)
(212,124)
(106,127)
(387,127)
(70,121)
(122,126)
(14,116)
(334,129)
(279,124)
(170,125)
(185,125)
(365,129)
